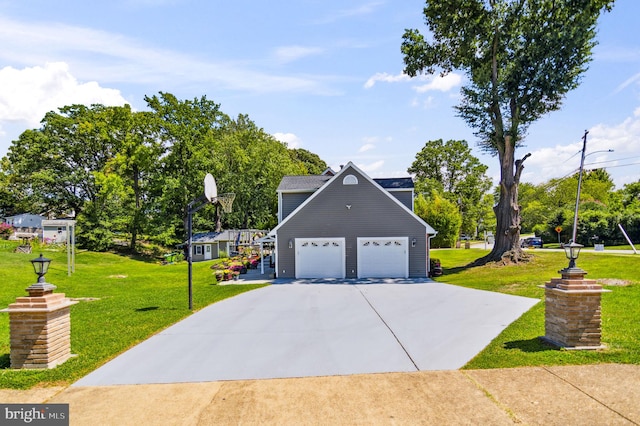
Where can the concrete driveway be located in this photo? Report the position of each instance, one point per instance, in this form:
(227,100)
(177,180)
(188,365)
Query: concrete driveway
(298,330)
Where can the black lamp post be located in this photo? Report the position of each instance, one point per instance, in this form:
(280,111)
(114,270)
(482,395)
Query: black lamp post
(40,267)
(572,251)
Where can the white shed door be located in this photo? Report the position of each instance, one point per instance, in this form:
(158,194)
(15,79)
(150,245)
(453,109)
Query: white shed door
(383,257)
(320,258)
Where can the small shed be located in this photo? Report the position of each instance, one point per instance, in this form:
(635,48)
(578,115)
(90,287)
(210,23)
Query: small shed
(208,245)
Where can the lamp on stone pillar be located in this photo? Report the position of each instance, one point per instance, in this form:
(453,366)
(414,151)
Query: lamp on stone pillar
(573,307)
(572,251)
(40,267)
(40,324)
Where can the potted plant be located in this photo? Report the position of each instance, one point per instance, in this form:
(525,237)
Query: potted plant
(435,269)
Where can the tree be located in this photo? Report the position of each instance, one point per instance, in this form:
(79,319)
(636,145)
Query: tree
(187,130)
(52,167)
(314,164)
(451,169)
(442,215)
(521,58)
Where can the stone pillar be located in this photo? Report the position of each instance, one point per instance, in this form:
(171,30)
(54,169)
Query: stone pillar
(572,311)
(40,328)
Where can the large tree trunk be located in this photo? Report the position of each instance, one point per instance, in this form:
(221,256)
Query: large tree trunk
(507,248)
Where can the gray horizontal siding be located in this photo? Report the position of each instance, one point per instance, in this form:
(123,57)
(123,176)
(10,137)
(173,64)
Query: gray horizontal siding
(372,214)
(405,197)
(291,201)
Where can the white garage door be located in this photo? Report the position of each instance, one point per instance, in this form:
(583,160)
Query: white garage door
(383,257)
(320,258)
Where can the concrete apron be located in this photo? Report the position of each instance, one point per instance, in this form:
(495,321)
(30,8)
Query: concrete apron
(285,331)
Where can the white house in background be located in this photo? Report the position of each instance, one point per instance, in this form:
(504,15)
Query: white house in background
(25,225)
(58,231)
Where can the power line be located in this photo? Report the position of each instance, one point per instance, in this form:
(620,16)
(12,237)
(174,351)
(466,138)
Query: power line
(612,161)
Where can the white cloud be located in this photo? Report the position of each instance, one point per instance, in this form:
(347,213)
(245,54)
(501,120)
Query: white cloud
(426,103)
(371,167)
(366,147)
(433,82)
(385,77)
(286,54)
(27,94)
(628,82)
(365,9)
(622,164)
(114,58)
(290,139)
(442,84)
(370,139)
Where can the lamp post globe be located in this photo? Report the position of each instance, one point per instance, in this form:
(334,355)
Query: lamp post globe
(40,267)
(572,251)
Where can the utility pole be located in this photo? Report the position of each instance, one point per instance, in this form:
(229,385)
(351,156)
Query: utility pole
(575,215)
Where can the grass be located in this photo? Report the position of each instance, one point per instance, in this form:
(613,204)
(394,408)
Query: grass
(126,300)
(519,344)
(123,301)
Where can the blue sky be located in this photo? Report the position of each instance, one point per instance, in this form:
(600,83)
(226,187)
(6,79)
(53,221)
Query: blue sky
(321,75)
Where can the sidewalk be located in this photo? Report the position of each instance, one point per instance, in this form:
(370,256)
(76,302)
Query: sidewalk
(587,395)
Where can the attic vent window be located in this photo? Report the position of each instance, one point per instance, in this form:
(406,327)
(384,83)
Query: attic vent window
(350,180)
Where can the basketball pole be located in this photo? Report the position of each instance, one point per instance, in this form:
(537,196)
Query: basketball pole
(193,207)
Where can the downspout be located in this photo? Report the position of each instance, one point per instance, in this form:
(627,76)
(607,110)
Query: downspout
(429,237)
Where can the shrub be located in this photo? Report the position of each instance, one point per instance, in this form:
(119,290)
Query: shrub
(5,230)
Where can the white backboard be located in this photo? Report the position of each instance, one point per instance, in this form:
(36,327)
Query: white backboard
(210,188)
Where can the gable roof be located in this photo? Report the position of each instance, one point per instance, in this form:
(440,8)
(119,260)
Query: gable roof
(395,183)
(309,183)
(351,166)
(302,183)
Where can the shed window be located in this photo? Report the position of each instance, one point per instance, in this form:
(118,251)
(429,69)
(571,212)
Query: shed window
(350,180)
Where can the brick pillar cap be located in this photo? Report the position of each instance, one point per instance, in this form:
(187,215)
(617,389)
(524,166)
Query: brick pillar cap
(40,289)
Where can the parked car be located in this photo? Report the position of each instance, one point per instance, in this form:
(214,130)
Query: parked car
(532,242)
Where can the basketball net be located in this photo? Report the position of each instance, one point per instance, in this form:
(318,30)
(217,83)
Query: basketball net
(226,201)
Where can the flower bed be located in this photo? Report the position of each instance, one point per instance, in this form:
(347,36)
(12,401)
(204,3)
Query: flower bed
(231,268)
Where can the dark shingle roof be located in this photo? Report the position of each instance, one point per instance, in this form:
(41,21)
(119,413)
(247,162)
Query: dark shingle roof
(395,183)
(314,182)
(302,183)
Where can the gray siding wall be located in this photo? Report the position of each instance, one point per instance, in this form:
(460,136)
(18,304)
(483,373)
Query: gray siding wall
(200,257)
(405,197)
(372,214)
(291,201)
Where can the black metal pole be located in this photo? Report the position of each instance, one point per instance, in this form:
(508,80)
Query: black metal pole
(189,260)
(191,209)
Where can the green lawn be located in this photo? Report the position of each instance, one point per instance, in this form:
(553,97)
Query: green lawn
(519,345)
(124,301)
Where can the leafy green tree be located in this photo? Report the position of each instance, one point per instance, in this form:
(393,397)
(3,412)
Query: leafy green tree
(135,162)
(252,163)
(104,217)
(54,166)
(631,194)
(313,163)
(187,130)
(521,58)
(451,169)
(9,204)
(442,215)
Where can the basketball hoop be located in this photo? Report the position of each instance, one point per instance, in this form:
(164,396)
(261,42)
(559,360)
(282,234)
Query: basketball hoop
(226,201)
